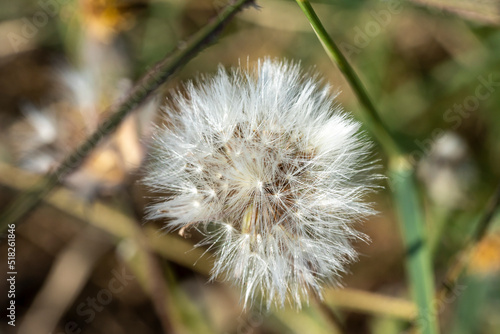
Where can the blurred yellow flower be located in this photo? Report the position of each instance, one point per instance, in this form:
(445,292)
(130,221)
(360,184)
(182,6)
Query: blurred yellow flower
(486,257)
(105,18)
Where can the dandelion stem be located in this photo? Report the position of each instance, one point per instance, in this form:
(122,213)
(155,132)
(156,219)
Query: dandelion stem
(402,176)
(28,200)
(372,118)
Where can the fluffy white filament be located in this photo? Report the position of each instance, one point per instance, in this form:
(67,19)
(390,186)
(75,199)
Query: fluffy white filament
(273,171)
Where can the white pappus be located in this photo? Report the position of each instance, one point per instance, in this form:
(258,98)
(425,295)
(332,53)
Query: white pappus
(268,160)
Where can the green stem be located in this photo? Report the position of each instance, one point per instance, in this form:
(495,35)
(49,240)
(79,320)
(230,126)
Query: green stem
(441,218)
(372,118)
(28,200)
(418,256)
(405,192)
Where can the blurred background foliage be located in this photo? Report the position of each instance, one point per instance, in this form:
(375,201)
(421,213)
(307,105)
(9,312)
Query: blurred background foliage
(432,67)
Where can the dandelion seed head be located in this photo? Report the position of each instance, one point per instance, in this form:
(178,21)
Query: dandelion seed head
(268,157)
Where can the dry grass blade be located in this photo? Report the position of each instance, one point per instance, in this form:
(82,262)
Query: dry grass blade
(67,278)
(372,303)
(111,220)
(181,251)
(484,11)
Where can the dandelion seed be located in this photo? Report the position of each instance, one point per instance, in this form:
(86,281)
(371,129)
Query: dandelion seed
(284,177)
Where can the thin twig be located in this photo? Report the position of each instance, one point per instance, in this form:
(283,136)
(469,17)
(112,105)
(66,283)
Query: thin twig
(329,315)
(159,293)
(25,202)
(463,258)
